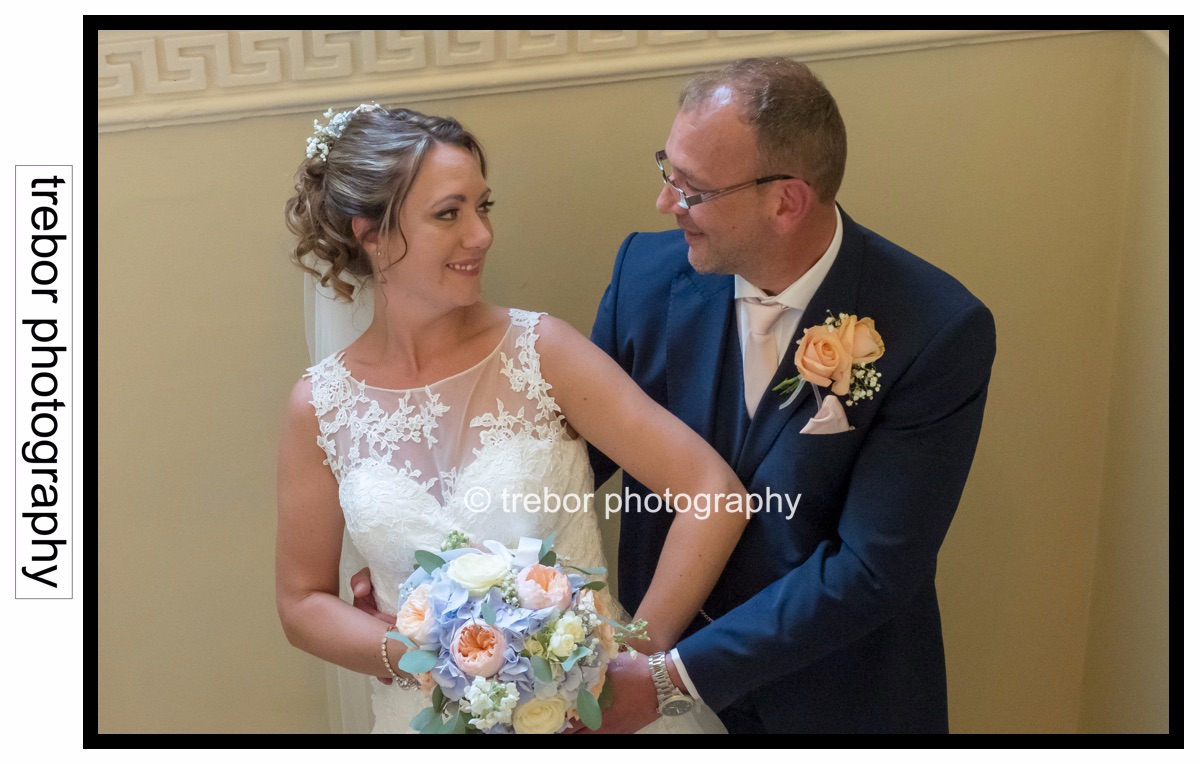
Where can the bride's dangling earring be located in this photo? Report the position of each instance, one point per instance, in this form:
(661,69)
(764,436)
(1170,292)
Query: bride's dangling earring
(379,266)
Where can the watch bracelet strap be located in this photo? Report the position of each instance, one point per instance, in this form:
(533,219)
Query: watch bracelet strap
(663,685)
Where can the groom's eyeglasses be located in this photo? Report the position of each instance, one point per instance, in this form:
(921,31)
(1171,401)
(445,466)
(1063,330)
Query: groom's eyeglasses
(687,201)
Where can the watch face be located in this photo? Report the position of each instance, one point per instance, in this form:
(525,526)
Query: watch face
(677,706)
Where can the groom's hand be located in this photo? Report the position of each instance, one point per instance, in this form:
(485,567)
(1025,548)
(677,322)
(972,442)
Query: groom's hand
(364,600)
(360,587)
(635,701)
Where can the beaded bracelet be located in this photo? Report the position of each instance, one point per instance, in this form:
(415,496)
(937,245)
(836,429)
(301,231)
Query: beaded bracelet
(404,682)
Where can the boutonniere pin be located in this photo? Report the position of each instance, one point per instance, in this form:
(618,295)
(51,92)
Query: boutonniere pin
(839,354)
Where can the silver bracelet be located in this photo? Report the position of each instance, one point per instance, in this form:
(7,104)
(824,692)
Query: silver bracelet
(403,682)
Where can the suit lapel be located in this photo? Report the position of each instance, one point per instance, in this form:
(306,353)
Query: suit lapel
(699,309)
(838,293)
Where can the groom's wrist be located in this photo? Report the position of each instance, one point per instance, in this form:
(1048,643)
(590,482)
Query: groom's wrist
(679,675)
(673,672)
(672,701)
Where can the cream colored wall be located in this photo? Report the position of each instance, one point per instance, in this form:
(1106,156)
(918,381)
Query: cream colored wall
(1005,164)
(1126,678)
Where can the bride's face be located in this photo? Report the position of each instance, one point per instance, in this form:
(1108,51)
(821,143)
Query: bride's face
(446,231)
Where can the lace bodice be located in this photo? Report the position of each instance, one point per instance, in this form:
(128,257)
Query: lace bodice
(412,465)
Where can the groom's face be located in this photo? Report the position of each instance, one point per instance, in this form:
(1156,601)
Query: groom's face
(712,147)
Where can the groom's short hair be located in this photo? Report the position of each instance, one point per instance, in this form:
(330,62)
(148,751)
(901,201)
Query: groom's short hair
(796,121)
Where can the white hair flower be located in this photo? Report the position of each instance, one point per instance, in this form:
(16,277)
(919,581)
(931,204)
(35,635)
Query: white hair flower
(323,137)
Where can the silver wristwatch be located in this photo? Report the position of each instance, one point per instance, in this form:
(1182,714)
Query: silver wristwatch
(671,702)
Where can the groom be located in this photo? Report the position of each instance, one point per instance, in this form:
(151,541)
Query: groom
(825,620)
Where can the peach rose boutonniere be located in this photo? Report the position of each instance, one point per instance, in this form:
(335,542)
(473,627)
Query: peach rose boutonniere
(839,354)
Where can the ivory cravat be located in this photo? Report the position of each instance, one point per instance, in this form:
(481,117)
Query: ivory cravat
(760,356)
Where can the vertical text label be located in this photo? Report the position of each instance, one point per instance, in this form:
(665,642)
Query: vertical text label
(44,402)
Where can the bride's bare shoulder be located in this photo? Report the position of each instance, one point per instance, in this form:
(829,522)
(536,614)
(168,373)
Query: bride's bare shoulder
(556,334)
(300,414)
(567,353)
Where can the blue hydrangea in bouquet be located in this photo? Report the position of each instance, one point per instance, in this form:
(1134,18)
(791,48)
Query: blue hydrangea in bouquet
(507,640)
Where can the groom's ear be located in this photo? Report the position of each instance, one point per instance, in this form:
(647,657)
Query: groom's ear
(367,234)
(793,204)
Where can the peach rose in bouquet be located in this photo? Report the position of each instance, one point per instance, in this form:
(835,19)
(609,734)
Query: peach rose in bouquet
(416,618)
(478,649)
(540,586)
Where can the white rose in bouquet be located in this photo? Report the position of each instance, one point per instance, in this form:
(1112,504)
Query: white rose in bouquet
(478,572)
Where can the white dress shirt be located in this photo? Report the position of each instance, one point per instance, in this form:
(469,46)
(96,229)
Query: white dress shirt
(795,298)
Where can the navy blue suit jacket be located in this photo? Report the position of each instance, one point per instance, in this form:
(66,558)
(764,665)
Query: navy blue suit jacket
(827,622)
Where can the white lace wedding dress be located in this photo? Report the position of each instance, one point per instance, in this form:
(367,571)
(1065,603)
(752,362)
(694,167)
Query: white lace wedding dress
(413,465)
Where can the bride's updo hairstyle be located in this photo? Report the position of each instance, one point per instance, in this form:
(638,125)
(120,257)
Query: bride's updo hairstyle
(366,171)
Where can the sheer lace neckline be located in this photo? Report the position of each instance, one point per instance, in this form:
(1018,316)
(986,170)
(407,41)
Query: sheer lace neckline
(464,372)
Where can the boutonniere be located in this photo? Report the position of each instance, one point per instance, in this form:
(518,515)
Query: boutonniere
(840,354)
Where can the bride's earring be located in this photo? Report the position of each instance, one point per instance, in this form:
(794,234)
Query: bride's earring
(379,266)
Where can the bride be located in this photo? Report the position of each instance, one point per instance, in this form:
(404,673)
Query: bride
(448,409)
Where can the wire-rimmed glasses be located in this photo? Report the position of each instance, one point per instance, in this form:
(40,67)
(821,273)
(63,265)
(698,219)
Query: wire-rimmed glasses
(687,201)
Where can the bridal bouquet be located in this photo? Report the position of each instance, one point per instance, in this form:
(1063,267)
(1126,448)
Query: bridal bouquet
(506,640)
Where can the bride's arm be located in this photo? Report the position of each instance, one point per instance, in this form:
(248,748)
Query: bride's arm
(308,543)
(658,450)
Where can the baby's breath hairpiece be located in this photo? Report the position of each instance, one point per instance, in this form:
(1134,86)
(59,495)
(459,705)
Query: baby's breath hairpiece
(323,137)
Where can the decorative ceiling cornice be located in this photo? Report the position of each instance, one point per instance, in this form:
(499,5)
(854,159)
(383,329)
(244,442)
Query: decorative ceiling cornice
(157,78)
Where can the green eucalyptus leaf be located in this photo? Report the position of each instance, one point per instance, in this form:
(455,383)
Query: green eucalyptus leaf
(434,726)
(457,724)
(597,585)
(590,571)
(612,623)
(488,612)
(578,653)
(548,559)
(417,661)
(401,638)
(547,545)
(439,698)
(616,624)
(589,709)
(606,694)
(428,560)
(421,719)
(541,669)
